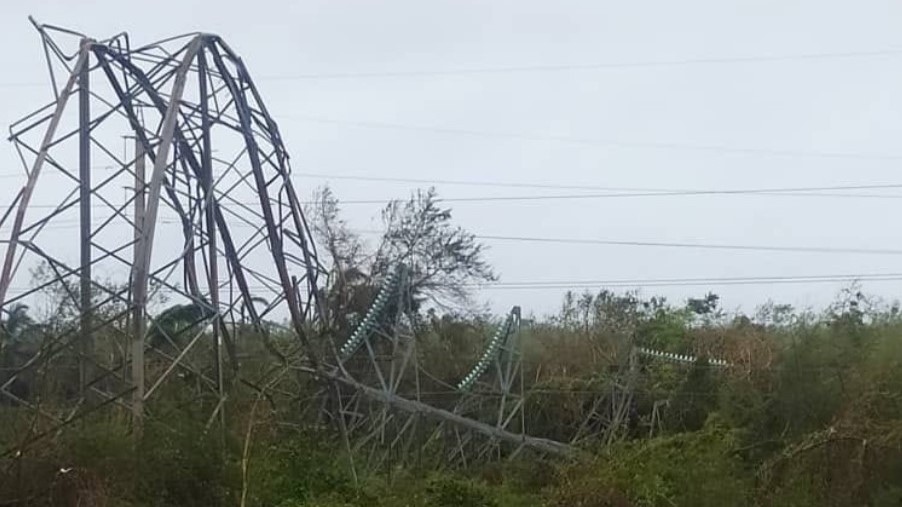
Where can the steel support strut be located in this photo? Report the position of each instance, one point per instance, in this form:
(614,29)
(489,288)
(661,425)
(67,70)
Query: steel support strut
(34,173)
(84,202)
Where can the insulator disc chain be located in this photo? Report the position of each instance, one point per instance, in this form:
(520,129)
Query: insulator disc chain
(680,358)
(363,330)
(490,353)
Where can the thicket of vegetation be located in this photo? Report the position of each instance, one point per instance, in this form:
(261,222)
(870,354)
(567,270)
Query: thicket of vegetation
(809,413)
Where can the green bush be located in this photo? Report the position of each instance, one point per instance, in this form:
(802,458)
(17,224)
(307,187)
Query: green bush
(692,469)
(449,491)
(180,463)
(299,468)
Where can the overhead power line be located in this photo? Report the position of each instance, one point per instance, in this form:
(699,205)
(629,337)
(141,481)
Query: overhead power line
(688,193)
(817,191)
(665,282)
(627,243)
(502,184)
(686,245)
(615,191)
(620,192)
(703,61)
(594,66)
(648,193)
(587,187)
(702,246)
(599,141)
(681,282)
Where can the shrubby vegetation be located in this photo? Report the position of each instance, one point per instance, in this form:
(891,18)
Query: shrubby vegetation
(809,413)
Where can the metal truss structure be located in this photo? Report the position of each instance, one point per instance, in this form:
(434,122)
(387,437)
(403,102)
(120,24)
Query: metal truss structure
(197,209)
(486,416)
(608,418)
(656,420)
(493,390)
(381,352)
(387,403)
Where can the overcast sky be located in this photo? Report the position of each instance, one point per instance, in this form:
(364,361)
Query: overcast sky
(640,94)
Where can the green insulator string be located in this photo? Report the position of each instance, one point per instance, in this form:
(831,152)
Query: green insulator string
(489,354)
(373,315)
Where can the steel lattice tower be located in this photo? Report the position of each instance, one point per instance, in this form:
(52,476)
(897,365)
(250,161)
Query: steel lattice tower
(199,207)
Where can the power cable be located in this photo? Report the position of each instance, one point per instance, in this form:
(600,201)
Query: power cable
(702,246)
(799,280)
(593,66)
(655,244)
(803,192)
(599,141)
(777,191)
(843,55)
(615,191)
(571,186)
(664,244)
(661,282)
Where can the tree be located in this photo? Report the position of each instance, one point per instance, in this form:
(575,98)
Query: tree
(349,280)
(443,259)
(17,324)
(19,340)
(704,306)
(19,334)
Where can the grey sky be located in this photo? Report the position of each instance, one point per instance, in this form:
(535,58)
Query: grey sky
(806,106)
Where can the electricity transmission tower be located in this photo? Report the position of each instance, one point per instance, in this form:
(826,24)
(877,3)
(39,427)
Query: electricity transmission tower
(209,219)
